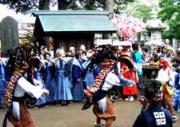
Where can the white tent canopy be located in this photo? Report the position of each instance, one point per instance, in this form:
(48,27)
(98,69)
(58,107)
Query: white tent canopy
(154,43)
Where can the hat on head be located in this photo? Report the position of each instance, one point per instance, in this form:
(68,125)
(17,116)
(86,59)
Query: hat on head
(128,61)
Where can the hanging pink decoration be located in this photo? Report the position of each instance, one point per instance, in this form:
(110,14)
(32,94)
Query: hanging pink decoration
(127,26)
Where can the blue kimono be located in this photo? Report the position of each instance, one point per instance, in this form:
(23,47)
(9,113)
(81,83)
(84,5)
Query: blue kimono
(37,75)
(77,80)
(177,93)
(49,79)
(89,76)
(96,70)
(2,83)
(62,82)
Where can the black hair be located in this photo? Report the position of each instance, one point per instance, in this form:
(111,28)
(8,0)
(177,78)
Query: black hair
(77,54)
(178,52)
(145,49)
(46,53)
(151,88)
(104,52)
(156,58)
(21,54)
(135,46)
(84,52)
(127,60)
(176,62)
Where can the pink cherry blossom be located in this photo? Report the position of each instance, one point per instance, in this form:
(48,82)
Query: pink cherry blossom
(127,26)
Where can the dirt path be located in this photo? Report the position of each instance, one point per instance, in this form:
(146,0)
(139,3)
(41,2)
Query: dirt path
(72,116)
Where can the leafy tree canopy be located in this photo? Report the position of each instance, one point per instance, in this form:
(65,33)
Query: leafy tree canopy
(20,5)
(139,10)
(170,13)
(25,5)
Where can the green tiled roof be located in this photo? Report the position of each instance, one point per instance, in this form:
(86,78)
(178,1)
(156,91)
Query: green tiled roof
(74,21)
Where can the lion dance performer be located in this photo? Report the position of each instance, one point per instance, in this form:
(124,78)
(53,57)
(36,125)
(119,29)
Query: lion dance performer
(22,89)
(108,77)
(164,77)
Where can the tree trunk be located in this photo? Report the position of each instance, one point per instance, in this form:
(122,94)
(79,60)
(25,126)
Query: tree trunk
(62,4)
(44,4)
(108,5)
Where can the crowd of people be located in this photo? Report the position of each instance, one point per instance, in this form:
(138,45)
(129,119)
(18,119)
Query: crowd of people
(71,76)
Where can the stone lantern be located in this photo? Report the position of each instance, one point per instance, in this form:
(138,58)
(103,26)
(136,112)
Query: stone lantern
(155,26)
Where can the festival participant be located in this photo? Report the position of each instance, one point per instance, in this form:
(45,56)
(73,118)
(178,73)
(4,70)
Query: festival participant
(37,75)
(177,90)
(129,72)
(153,115)
(164,77)
(178,53)
(22,88)
(137,57)
(77,78)
(2,82)
(48,76)
(176,65)
(104,82)
(72,51)
(63,85)
(88,71)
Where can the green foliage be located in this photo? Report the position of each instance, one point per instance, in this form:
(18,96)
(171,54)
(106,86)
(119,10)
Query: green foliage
(25,5)
(123,1)
(92,4)
(167,34)
(170,13)
(20,5)
(141,11)
(136,9)
(29,37)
